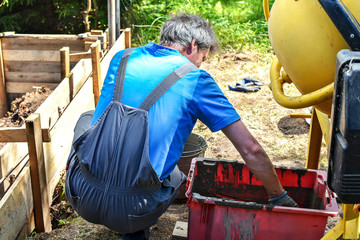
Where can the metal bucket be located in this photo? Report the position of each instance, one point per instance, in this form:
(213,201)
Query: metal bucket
(195,146)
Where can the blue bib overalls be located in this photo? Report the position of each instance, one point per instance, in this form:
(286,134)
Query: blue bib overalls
(110,179)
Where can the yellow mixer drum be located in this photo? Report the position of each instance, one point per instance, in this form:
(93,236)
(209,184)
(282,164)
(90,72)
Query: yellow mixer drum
(306,43)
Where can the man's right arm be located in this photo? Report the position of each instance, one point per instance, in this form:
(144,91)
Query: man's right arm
(257,161)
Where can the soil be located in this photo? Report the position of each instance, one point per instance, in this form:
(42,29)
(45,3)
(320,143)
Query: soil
(22,107)
(285,140)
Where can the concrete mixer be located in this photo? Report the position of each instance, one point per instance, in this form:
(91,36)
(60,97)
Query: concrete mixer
(305,42)
(317,46)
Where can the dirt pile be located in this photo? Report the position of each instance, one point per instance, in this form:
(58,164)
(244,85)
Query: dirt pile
(22,107)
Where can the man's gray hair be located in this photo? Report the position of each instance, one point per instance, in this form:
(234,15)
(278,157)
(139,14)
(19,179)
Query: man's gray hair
(182,29)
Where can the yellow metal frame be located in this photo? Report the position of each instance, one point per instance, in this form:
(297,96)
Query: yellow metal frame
(348,227)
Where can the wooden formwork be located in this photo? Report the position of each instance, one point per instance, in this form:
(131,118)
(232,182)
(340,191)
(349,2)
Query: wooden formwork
(35,155)
(28,61)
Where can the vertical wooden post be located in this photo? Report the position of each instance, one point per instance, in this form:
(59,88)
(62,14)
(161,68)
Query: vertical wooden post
(3,100)
(314,146)
(128,38)
(38,173)
(65,62)
(96,71)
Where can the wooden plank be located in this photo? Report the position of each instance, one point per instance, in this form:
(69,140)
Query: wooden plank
(18,134)
(21,87)
(3,100)
(10,154)
(79,56)
(8,179)
(96,70)
(105,62)
(30,67)
(56,152)
(42,42)
(81,72)
(65,62)
(180,230)
(10,33)
(96,32)
(16,206)
(60,97)
(28,227)
(31,55)
(38,173)
(39,77)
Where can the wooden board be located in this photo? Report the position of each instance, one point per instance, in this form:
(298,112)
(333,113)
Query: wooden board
(105,62)
(43,42)
(33,67)
(11,175)
(16,206)
(10,155)
(31,55)
(39,77)
(56,152)
(18,134)
(180,230)
(51,109)
(21,87)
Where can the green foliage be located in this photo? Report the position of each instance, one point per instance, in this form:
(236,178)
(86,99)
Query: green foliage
(63,222)
(238,24)
(63,190)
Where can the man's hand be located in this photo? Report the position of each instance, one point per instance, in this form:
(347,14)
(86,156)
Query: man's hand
(283,200)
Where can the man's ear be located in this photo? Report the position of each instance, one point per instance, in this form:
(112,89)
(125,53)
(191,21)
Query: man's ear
(192,47)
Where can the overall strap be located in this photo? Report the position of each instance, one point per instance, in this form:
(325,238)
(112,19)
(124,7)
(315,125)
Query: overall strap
(119,82)
(165,84)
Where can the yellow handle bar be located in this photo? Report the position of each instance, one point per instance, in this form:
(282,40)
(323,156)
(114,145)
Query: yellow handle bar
(266,9)
(302,101)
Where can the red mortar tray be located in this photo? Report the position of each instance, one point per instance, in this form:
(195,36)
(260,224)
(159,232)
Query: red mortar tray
(226,201)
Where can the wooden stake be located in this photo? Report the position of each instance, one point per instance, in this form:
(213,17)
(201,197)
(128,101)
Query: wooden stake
(96,71)
(65,62)
(3,100)
(38,173)
(128,38)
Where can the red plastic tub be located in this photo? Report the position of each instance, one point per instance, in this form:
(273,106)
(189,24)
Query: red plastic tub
(226,201)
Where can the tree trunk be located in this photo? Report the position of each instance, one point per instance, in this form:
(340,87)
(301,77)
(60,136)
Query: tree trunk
(85,14)
(51,17)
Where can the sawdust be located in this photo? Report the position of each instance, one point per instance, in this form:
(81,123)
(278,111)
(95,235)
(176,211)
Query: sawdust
(285,139)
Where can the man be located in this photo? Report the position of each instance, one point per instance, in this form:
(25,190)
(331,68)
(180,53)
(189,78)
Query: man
(184,39)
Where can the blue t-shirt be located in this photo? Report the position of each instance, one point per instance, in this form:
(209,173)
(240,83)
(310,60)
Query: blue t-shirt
(173,116)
